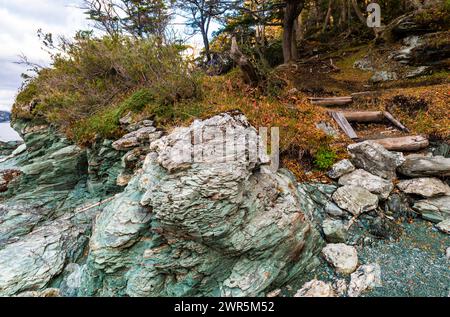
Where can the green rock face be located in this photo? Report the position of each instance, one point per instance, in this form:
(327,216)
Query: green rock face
(201,229)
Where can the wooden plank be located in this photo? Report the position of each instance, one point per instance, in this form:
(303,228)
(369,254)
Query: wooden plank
(364,116)
(344,125)
(394,121)
(407,143)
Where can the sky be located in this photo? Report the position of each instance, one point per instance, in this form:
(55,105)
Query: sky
(19,22)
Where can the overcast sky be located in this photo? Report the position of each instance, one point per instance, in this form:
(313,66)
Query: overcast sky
(19,22)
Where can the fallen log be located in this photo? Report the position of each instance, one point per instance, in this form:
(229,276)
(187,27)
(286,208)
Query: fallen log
(364,116)
(344,125)
(394,121)
(404,144)
(333,101)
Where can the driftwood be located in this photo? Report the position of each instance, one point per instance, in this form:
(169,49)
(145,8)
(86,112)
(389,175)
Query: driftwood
(394,121)
(344,125)
(333,101)
(250,74)
(364,116)
(404,144)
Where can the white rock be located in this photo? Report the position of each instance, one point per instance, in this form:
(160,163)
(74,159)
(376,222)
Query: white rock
(342,257)
(316,288)
(340,287)
(355,199)
(19,150)
(375,159)
(434,209)
(341,168)
(444,226)
(365,278)
(372,183)
(417,166)
(426,187)
(274,293)
(447,253)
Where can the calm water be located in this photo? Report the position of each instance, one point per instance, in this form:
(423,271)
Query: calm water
(7,133)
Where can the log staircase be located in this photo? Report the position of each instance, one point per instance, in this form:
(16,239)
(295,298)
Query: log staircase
(346,117)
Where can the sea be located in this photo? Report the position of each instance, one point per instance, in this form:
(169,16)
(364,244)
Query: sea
(7,133)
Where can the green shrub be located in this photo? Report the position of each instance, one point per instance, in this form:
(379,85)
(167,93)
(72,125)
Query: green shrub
(94,81)
(325,158)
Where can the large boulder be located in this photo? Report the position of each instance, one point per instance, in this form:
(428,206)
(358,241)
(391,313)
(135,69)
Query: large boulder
(372,183)
(426,187)
(215,225)
(434,209)
(355,199)
(374,158)
(419,166)
(341,168)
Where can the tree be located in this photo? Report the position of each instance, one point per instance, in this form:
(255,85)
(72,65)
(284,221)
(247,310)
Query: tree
(292,10)
(199,15)
(139,18)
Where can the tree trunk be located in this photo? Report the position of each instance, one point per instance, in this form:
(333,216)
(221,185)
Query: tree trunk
(250,74)
(327,17)
(206,44)
(291,13)
(358,12)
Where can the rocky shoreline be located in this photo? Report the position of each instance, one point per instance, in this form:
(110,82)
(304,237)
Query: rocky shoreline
(127,217)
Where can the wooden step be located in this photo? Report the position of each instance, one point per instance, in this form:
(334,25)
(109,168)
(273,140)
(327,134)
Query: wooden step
(404,144)
(332,101)
(344,125)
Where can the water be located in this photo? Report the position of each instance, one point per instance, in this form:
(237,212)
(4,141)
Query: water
(7,133)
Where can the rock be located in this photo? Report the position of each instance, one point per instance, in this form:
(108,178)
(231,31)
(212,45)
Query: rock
(365,278)
(128,119)
(342,257)
(143,136)
(50,292)
(21,149)
(316,288)
(355,199)
(364,64)
(447,253)
(372,183)
(374,158)
(335,231)
(398,206)
(444,226)
(341,168)
(382,76)
(274,293)
(419,71)
(123,179)
(327,128)
(208,227)
(340,287)
(418,166)
(434,209)
(6,177)
(426,187)
(334,211)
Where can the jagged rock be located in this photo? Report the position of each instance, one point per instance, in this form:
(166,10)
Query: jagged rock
(382,76)
(341,168)
(434,209)
(126,120)
(418,166)
(123,179)
(50,292)
(327,128)
(316,288)
(426,187)
(145,135)
(444,226)
(372,183)
(31,262)
(447,253)
(364,64)
(419,71)
(342,257)
(374,158)
(365,278)
(335,231)
(22,148)
(355,199)
(206,227)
